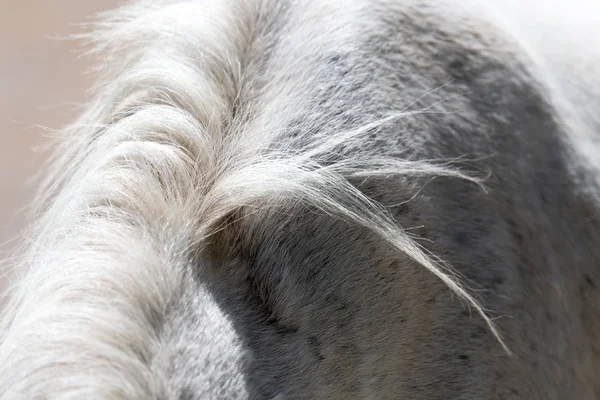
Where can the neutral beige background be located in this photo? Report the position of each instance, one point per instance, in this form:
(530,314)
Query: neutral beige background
(41,81)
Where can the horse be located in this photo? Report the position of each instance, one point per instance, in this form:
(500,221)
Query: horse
(316,199)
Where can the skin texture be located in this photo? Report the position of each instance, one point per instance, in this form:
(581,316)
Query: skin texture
(286,199)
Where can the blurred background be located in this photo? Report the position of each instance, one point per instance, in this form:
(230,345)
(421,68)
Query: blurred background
(41,82)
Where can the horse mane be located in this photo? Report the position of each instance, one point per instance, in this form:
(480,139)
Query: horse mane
(164,155)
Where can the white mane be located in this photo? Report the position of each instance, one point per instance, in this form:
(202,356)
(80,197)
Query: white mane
(172,146)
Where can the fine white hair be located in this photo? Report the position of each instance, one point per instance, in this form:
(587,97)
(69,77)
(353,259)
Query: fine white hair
(165,155)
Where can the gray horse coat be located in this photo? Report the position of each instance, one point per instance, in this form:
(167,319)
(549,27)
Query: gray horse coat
(317,199)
